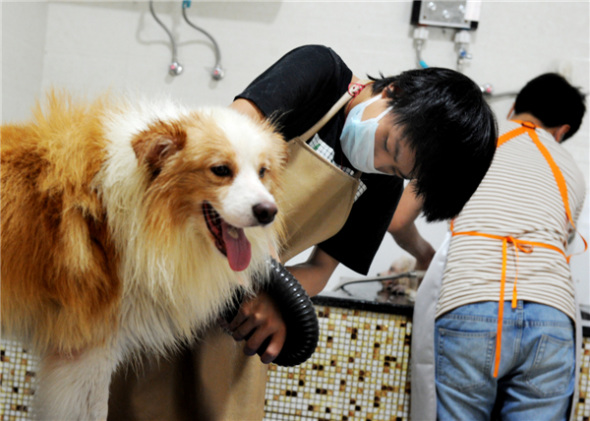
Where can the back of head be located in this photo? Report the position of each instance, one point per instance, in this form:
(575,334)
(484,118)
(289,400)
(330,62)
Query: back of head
(452,130)
(552,100)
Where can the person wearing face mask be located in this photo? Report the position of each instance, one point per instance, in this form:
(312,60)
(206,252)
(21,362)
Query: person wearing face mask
(430,125)
(358,134)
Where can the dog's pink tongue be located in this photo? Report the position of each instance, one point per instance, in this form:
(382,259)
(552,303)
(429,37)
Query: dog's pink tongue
(238,247)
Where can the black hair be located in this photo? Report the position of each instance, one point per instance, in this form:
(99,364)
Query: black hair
(552,100)
(447,123)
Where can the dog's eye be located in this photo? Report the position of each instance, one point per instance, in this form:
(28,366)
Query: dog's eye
(262,172)
(221,171)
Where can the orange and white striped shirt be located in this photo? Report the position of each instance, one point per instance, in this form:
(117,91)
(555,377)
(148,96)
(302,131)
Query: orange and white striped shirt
(518,197)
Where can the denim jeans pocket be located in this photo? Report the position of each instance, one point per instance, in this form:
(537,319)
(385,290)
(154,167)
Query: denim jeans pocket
(464,359)
(551,371)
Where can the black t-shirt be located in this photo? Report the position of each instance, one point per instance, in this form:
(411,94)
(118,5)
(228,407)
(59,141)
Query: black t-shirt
(296,92)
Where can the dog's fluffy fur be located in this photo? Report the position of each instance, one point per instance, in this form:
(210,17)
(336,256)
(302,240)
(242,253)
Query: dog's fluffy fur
(105,240)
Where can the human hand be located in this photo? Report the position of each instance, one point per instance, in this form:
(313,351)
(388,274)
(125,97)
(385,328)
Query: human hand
(260,324)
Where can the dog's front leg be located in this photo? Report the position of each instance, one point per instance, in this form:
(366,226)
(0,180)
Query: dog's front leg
(75,387)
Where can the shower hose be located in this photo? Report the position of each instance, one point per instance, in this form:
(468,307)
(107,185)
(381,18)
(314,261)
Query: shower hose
(297,311)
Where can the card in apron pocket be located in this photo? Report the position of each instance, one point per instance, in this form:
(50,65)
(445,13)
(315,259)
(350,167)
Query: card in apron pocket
(316,200)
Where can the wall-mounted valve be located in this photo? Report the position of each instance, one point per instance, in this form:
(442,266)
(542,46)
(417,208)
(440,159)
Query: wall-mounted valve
(462,40)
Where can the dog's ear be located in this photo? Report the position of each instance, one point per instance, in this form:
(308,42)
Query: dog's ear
(157,144)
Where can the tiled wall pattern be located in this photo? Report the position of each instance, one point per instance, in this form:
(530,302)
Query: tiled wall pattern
(360,371)
(583,406)
(17,380)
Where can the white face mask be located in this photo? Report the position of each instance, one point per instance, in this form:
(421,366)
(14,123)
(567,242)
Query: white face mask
(358,137)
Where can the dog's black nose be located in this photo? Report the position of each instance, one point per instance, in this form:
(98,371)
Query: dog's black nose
(265,212)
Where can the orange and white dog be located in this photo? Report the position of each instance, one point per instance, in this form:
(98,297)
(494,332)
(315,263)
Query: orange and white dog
(127,226)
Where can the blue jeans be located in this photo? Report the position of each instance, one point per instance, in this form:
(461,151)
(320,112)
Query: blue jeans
(537,370)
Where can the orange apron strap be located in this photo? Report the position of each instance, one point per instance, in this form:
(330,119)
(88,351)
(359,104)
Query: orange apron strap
(522,245)
(510,135)
(560,184)
(500,309)
(556,173)
(529,127)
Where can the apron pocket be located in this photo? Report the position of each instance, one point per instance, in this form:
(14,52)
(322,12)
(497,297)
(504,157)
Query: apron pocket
(316,199)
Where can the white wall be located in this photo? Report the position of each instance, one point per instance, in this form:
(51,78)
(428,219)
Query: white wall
(23,44)
(89,47)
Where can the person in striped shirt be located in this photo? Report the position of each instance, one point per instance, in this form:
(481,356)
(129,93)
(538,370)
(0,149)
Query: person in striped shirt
(504,336)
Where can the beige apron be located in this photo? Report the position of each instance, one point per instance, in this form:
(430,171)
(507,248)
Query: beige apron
(423,388)
(317,196)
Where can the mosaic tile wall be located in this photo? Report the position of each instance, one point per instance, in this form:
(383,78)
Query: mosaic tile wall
(360,371)
(583,405)
(17,381)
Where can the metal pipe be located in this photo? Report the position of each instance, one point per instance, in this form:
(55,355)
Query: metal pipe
(217,72)
(175,68)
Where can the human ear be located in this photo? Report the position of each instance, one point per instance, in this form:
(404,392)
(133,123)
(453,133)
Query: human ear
(560,132)
(510,113)
(388,91)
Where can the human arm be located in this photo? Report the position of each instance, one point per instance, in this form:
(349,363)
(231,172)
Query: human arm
(247,107)
(404,230)
(297,91)
(313,275)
